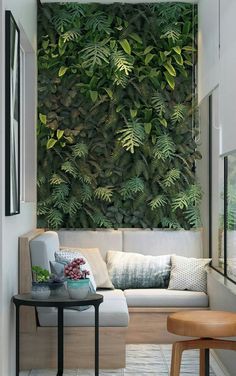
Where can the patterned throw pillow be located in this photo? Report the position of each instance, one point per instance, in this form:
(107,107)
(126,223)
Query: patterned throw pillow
(188,274)
(129,270)
(64,257)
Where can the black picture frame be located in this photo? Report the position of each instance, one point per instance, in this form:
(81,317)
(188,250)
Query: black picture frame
(12,116)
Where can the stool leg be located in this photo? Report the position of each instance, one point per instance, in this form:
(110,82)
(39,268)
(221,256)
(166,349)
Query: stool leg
(202,362)
(176,357)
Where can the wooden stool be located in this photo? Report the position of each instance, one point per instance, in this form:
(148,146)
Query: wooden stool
(206,325)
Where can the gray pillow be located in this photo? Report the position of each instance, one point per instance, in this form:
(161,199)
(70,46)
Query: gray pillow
(129,270)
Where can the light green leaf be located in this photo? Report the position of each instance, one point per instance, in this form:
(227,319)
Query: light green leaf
(93,95)
(133,113)
(170,80)
(178,59)
(147,128)
(189,48)
(125,45)
(59,134)
(136,37)
(177,49)
(109,92)
(148,58)
(43,118)
(147,50)
(51,142)
(169,67)
(45,44)
(62,71)
(163,122)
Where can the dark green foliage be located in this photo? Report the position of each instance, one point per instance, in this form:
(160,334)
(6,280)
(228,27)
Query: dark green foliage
(116,141)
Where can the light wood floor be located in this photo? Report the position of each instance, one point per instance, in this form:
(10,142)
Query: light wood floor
(142,360)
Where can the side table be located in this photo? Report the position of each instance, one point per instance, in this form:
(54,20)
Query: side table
(60,303)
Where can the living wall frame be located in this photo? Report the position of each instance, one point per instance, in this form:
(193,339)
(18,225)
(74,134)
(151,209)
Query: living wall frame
(126,158)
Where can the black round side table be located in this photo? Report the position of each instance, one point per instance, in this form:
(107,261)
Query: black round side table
(60,303)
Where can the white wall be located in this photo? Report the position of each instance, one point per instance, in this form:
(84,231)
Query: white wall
(228,74)
(217,68)
(208,44)
(24,12)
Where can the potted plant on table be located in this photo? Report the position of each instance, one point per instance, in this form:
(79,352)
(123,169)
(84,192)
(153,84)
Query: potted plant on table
(77,281)
(45,283)
(40,283)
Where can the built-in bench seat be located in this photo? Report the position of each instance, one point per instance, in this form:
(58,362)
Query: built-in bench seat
(129,316)
(165,298)
(113,312)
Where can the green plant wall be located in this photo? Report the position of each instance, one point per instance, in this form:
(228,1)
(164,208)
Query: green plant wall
(116,139)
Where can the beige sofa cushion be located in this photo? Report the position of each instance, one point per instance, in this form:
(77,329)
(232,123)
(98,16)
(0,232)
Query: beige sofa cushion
(97,264)
(165,298)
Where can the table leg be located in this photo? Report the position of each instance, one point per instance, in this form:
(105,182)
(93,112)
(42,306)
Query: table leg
(96,340)
(17,340)
(207,362)
(60,341)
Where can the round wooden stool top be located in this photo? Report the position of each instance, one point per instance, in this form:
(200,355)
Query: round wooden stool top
(203,324)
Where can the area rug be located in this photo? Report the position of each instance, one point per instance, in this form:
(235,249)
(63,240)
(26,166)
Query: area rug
(141,360)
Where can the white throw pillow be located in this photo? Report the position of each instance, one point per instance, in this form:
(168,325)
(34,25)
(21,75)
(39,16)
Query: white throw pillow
(64,257)
(188,273)
(98,265)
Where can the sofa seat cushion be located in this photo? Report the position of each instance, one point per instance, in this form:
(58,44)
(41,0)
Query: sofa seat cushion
(113,312)
(165,298)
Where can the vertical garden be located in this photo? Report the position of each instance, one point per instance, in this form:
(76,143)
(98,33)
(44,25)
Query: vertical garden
(116,134)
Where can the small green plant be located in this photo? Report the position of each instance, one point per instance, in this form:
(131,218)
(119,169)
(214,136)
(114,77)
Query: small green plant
(40,275)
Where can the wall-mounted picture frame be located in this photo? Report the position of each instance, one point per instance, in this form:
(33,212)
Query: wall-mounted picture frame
(12,116)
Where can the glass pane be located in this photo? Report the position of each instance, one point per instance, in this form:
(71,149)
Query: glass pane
(231,217)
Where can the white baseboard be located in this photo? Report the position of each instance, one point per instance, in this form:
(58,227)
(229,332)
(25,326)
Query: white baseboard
(217,365)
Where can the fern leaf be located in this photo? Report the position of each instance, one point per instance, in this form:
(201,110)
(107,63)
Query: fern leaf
(171,177)
(159,104)
(85,193)
(122,61)
(71,35)
(80,150)
(120,79)
(104,193)
(194,193)
(192,214)
(132,135)
(181,201)
(131,187)
(178,114)
(101,221)
(61,20)
(171,32)
(54,218)
(158,202)
(74,9)
(41,180)
(100,22)
(56,179)
(95,54)
(60,192)
(164,148)
(170,223)
(69,168)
